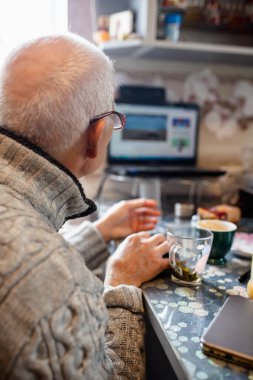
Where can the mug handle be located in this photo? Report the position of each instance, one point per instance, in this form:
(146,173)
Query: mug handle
(174,249)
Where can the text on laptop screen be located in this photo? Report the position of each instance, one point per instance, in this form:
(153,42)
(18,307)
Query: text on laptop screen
(164,133)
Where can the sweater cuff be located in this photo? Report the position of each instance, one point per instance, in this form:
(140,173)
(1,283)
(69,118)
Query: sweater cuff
(125,296)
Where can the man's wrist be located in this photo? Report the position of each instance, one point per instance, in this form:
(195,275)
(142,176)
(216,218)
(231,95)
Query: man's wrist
(112,279)
(100,225)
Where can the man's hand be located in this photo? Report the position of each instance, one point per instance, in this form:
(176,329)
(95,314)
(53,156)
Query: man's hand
(127,217)
(138,259)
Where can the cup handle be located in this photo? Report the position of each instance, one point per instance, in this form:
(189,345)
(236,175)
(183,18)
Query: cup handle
(175,248)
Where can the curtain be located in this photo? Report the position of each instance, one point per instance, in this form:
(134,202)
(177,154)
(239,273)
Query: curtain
(82,17)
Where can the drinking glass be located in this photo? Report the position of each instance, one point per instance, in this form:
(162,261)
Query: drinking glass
(189,251)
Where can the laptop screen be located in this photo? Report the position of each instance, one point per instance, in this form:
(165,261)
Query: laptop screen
(156,134)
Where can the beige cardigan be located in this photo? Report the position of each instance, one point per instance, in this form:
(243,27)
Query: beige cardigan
(56,320)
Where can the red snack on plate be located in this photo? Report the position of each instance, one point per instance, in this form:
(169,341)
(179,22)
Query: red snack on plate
(223,211)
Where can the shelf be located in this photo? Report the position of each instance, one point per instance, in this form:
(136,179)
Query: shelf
(190,51)
(171,9)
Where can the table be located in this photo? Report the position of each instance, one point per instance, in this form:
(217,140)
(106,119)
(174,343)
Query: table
(178,315)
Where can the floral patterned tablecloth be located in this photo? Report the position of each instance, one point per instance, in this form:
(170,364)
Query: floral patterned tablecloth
(183,313)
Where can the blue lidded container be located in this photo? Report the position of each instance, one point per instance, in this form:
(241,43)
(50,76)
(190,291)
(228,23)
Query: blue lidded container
(172,26)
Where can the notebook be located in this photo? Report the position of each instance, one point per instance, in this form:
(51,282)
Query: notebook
(157,140)
(230,334)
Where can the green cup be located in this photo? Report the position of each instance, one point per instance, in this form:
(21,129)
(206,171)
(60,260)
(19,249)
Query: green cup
(223,236)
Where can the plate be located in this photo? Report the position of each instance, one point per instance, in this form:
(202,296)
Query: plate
(243,244)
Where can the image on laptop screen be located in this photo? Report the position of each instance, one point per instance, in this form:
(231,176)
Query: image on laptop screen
(156,134)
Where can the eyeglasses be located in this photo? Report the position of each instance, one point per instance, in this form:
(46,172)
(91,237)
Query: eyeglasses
(118,119)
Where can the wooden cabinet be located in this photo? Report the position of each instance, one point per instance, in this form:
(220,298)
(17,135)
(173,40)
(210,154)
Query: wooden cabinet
(198,42)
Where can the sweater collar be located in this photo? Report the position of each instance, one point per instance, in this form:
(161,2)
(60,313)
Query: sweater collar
(47,185)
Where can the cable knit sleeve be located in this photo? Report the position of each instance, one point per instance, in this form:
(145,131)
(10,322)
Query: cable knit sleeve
(125,331)
(88,241)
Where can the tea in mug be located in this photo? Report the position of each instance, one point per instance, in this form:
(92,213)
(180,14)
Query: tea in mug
(223,235)
(184,273)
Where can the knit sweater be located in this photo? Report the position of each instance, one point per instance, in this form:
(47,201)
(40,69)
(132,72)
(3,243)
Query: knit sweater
(56,319)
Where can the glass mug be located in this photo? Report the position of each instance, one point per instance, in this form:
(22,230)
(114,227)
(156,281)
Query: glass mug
(189,249)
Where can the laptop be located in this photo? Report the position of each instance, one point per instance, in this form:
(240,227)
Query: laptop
(158,139)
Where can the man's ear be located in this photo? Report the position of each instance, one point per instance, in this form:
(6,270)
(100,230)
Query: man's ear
(93,135)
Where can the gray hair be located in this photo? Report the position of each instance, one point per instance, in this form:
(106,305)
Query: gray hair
(52,86)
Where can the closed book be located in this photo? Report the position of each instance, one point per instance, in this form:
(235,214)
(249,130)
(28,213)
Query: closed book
(230,335)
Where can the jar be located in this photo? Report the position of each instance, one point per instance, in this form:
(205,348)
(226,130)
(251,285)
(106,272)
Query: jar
(172,26)
(250,283)
(182,214)
(183,210)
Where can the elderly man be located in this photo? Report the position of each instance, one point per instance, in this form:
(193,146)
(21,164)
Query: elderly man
(58,321)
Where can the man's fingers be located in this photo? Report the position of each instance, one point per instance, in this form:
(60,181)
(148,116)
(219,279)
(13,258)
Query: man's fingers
(146,226)
(157,239)
(142,222)
(142,202)
(165,263)
(146,219)
(162,248)
(144,211)
(143,234)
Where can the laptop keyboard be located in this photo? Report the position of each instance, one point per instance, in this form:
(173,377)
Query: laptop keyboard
(166,171)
